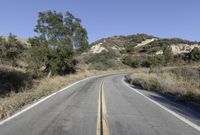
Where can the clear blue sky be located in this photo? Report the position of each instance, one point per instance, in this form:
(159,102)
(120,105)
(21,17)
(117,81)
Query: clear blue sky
(102,18)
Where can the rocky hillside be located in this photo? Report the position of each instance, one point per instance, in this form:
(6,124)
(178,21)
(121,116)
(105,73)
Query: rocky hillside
(118,43)
(142,43)
(146,49)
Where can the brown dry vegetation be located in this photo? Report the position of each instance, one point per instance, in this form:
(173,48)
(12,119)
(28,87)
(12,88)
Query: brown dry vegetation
(183,83)
(43,87)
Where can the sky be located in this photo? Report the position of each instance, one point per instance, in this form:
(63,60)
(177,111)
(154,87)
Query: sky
(103,18)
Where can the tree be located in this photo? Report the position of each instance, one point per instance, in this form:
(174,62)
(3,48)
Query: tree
(79,34)
(56,33)
(80,39)
(168,54)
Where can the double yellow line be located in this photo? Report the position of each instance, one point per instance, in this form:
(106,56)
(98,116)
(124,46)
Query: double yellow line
(102,120)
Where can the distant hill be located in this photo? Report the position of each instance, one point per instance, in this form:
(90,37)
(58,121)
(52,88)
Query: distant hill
(140,46)
(143,43)
(120,42)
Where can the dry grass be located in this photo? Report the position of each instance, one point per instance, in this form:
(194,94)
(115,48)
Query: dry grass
(183,83)
(41,88)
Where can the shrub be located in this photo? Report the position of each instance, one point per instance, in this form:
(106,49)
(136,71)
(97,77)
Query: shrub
(168,54)
(157,60)
(136,61)
(127,60)
(194,55)
(103,60)
(131,61)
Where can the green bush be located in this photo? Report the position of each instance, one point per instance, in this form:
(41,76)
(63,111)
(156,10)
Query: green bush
(103,60)
(168,54)
(194,55)
(131,61)
(136,61)
(157,60)
(127,60)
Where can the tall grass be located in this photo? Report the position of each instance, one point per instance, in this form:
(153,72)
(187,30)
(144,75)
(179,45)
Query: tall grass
(183,83)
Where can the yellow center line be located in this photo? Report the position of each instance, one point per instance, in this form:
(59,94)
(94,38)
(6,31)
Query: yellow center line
(102,120)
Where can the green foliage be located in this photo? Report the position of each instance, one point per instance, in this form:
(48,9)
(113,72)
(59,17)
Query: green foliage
(135,62)
(127,60)
(54,48)
(157,60)
(194,55)
(168,54)
(103,60)
(80,39)
(36,58)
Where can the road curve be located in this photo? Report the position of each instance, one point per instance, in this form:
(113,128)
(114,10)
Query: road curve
(76,111)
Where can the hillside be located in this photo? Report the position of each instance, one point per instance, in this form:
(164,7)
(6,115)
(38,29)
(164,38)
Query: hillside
(120,42)
(144,43)
(117,50)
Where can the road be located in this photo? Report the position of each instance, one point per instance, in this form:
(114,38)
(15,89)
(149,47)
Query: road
(103,106)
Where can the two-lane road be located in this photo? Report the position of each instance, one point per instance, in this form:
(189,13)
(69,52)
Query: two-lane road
(96,106)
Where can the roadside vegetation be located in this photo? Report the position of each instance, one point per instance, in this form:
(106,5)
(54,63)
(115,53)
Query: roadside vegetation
(165,59)
(181,82)
(102,61)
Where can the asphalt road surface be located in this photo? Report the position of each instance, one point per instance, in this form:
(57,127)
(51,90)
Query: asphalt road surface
(104,106)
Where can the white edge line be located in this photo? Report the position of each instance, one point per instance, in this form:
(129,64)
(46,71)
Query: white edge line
(165,108)
(47,97)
